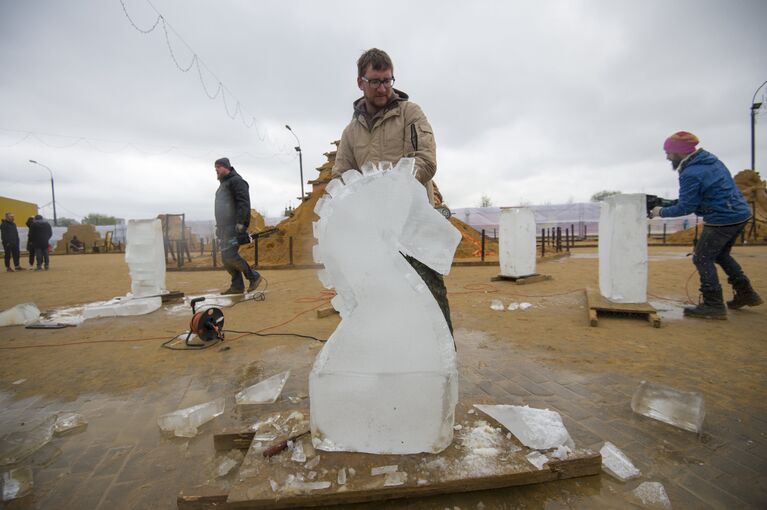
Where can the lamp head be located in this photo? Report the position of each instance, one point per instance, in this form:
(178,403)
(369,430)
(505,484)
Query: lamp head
(288,127)
(33,161)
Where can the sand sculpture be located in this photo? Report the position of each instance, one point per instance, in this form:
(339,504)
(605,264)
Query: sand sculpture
(383,383)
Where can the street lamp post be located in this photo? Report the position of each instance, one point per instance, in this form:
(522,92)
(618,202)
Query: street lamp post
(53,191)
(754,108)
(300,160)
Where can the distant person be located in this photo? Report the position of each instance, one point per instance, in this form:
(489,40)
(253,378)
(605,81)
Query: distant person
(232,209)
(76,245)
(41,233)
(707,189)
(387,126)
(10,237)
(30,248)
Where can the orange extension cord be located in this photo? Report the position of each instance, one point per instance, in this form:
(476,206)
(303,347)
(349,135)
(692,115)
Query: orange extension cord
(324,297)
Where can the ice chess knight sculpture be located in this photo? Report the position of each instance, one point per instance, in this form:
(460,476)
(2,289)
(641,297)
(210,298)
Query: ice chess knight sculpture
(386,380)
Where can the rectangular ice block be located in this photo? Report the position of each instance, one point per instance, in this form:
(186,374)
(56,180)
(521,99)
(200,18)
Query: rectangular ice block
(683,409)
(517,241)
(623,248)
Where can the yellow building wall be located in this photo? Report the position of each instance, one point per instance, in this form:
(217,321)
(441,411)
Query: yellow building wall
(21,210)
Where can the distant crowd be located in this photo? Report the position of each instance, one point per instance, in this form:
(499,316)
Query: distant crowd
(38,243)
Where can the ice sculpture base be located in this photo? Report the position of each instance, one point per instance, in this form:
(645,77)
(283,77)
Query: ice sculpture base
(376,418)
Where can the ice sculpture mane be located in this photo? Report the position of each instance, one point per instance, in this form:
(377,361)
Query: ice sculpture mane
(386,380)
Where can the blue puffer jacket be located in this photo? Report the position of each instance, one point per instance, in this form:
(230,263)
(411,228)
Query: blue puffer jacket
(707,189)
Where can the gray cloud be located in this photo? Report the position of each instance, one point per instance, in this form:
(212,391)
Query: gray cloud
(534,102)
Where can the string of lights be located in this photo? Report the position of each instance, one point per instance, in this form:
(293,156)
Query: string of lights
(248,120)
(159,150)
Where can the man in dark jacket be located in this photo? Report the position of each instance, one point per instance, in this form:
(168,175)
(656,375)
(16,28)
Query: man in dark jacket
(232,208)
(40,233)
(10,235)
(707,189)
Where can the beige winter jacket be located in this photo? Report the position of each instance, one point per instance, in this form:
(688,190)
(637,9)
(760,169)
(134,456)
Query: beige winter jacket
(399,130)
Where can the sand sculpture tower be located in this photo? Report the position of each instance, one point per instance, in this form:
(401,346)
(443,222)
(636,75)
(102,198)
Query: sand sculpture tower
(623,248)
(386,381)
(517,242)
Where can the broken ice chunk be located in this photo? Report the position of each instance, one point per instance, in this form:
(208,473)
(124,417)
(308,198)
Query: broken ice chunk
(19,315)
(274,485)
(184,422)
(537,459)
(513,306)
(298,453)
(652,495)
(334,188)
(22,443)
(293,484)
(682,409)
(615,463)
(524,306)
(69,423)
(562,452)
(535,428)
(312,463)
(497,305)
(395,479)
(16,483)
(265,392)
(341,476)
(383,470)
(350,176)
(232,460)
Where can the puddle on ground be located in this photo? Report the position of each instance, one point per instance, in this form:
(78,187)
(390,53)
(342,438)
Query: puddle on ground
(668,310)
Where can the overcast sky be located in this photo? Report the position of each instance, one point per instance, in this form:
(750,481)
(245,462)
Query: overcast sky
(531,102)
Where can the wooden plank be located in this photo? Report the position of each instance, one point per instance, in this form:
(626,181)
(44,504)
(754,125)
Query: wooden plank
(593,318)
(326,312)
(232,440)
(654,319)
(521,280)
(456,469)
(597,303)
(202,497)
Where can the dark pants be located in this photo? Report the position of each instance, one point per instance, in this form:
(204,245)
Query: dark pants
(31,252)
(11,251)
(713,248)
(41,254)
(235,265)
(436,285)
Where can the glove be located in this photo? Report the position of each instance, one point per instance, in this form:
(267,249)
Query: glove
(655,212)
(239,227)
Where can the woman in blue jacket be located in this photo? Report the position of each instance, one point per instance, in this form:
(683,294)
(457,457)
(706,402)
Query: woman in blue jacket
(707,189)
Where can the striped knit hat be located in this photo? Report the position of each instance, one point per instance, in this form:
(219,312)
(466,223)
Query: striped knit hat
(681,142)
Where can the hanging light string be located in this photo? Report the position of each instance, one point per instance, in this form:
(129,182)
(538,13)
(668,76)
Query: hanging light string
(248,120)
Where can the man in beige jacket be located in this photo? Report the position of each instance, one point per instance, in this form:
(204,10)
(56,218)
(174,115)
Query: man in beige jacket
(386,126)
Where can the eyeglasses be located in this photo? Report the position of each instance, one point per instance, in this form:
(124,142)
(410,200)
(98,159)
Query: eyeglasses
(388,82)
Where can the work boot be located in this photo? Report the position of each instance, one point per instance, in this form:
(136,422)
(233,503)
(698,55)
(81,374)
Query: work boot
(710,307)
(744,295)
(9,269)
(19,268)
(254,283)
(234,290)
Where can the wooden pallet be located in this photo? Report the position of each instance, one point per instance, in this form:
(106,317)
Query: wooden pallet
(428,474)
(521,280)
(598,305)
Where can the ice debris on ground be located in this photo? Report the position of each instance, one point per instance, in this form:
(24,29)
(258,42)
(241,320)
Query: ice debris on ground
(19,381)
(185,422)
(16,483)
(69,423)
(395,479)
(264,392)
(683,409)
(19,315)
(562,452)
(616,463)
(383,470)
(652,495)
(294,484)
(497,305)
(518,306)
(361,383)
(540,429)
(20,444)
(232,459)
(537,459)
(298,454)
(341,478)
(311,464)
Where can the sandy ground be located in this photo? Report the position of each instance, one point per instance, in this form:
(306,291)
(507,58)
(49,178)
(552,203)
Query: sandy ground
(115,372)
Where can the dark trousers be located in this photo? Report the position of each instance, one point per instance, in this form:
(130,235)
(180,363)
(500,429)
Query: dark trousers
(41,254)
(31,252)
(11,251)
(714,248)
(436,285)
(235,265)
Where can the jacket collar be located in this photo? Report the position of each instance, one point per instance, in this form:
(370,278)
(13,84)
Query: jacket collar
(686,161)
(361,112)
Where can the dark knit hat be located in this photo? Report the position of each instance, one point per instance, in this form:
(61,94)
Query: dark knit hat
(224,162)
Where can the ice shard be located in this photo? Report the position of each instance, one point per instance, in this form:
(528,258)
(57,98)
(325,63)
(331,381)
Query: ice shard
(535,428)
(184,422)
(385,382)
(623,248)
(516,250)
(683,409)
(22,314)
(263,392)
